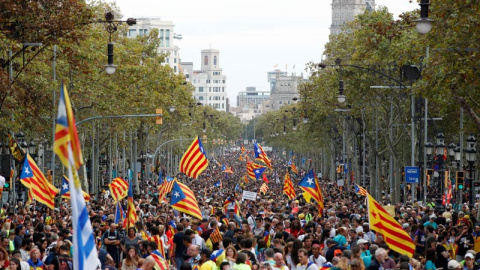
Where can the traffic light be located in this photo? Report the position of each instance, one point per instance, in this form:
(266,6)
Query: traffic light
(459,176)
(50,176)
(159,119)
(428,173)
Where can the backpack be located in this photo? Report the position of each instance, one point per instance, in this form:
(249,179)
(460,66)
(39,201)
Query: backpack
(65,263)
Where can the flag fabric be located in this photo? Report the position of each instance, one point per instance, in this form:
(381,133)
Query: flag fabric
(240,158)
(67,147)
(360,190)
(217,184)
(66,132)
(394,235)
(164,188)
(288,187)
(194,161)
(131,211)
(264,188)
(250,169)
(265,178)
(184,200)
(119,213)
(65,190)
(260,155)
(160,262)
(218,256)
(259,172)
(158,240)
(32,178)
(236,208)
(309,184)
(243,149)
(245,179)
(118,189)
(292,166)
(267,237)
(216,236)
(227,170)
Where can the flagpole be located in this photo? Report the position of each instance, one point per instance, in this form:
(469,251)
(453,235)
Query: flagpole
(54,118)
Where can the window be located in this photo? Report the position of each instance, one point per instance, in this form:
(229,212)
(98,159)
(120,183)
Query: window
(208,81)
(162,43)
(223,98)
(140,32)
(223,81)
(223,89)
(167,38)
(209,89)
(145,31)
(175,60)
(223,105)
(187,76)
(175,68)
(132,32)
(210,98)
(200,98)
(200,89)
(205,60)
(215,60)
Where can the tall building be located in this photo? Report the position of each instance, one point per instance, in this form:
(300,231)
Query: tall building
(285,88)
(251,98)
(210,84)
(166,34)
(345,11)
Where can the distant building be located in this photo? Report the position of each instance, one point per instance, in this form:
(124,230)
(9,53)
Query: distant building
(251,98)
(284,89)
(166,34)
(345,11)
(210,84)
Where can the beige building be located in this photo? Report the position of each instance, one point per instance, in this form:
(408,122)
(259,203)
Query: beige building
(345,11)
(166,33)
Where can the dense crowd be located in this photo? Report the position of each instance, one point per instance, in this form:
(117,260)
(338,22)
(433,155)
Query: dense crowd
(270,233)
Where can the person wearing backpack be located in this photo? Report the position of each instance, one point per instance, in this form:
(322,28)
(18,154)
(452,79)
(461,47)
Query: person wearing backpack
(63,261)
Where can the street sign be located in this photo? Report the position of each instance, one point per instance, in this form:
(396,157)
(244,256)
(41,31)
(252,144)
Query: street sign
(412,174)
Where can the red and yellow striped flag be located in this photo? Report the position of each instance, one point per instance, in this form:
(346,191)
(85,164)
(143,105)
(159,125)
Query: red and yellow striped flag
(394,235)
(184,200)
(159,243)
(118,189)
(251,167)
(264,188)
(194,161)
(40,189)
(288,187)
(216,236)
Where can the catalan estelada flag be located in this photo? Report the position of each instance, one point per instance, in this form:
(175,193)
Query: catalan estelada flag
(360,190)
(32,178)
(194,161)
(288,187)
(65,190)
(259,172)
(184,200)
(251,167)
(164,188)
(236,206)
(158,240)
(118,189)
(131,211)
(309,184)
(267,237)
(292,166)
(160,262)
(260,155)
(394,235)
(66,131)
(243,149)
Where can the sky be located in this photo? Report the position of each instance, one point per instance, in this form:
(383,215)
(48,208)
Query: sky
(253,36)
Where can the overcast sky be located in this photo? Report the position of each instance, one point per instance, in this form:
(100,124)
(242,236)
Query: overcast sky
(252,35)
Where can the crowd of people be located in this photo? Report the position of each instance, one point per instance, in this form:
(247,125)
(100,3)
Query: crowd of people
(272,232)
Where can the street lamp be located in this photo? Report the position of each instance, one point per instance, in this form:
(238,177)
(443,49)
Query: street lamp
(31,148)
(172,109)
(440,150)
(424,24)
(471,156)
(428,148)
(341,97)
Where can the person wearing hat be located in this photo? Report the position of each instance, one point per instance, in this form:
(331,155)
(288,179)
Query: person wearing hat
(454,265)
(470,263)
(431,221)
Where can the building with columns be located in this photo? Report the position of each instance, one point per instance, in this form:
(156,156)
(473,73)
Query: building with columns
(345,11)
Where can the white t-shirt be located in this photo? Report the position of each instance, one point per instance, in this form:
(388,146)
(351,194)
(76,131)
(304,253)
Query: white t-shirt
(310,266)
(318,261)
(280,268)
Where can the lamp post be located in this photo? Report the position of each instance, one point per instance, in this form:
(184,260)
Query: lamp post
(440,148)
(471,157)
(424,24)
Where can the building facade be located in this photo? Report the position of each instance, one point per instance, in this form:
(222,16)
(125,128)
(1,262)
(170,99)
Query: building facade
(285,88)
(166,34)
(345,11)
(210,83)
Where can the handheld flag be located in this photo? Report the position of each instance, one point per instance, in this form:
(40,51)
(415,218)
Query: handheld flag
(67,147)
(164,188)
(118,189)
(119,213)
(160,262)
(394,235)
(265,179)
(260,155)
(360,190)
(267,237)
(217,184)
(218,256)
(309,184)
(288,187)
(216,236)
(184,200)
(259,172)
(131,211)
(65,191)
(194,161)
(243,149)
(292,166)
(250,169)
(264,188)
(32,178)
